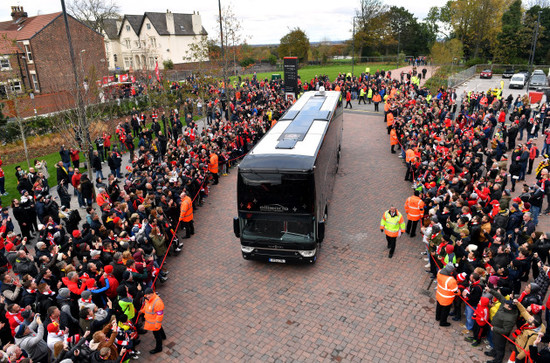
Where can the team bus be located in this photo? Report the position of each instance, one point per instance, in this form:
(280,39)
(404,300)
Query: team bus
(285,182)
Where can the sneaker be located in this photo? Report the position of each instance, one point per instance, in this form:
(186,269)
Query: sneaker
(465,331)
(427,266)
(137,352)
(456,318)
(178,249)
(469,339)
(424,253)
(485,341)
(463,326)
(488,346)
(476,344)
(426,259)
(134,356)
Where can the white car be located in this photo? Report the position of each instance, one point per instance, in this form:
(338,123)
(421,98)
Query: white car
(518,80)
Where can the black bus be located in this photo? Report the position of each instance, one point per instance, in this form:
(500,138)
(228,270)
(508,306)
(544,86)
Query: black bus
(285,182)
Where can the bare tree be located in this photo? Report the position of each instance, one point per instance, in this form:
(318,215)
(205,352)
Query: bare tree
(94,12)
(541,3)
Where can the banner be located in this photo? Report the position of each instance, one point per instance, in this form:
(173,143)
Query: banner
(123,78)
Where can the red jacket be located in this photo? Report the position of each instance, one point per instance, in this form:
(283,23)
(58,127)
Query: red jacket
(15,320)
(73,286)
(113,285)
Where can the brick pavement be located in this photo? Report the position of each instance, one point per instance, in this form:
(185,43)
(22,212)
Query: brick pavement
(353,305)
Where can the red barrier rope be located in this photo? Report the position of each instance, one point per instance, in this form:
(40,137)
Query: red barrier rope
(170,245)
(466,302)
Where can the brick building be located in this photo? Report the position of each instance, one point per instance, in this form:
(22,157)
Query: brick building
(34,53)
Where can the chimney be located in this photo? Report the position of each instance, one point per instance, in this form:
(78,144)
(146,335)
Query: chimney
(18,13)
(170,26)
(197,23)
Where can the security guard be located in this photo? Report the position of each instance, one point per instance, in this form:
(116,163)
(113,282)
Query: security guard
(414,207)
(153,310)
(393,224)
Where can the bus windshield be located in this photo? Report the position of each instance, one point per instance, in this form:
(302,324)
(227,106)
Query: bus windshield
(279,228)
(277,193)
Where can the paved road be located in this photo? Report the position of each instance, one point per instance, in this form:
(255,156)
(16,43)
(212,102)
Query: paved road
(354,304)
(477,84)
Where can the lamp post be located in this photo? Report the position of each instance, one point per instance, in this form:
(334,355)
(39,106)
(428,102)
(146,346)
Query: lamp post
(533,49)
(353,45)
(223,60)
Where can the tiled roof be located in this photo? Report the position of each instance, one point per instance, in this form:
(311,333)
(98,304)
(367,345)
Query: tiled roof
(111,28)
(27,27)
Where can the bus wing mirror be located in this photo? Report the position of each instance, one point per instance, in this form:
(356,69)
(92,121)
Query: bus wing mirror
(321,231)
(236,227)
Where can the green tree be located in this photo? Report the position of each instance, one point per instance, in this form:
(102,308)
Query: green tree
(509,48)
(295,44)
(371,27)
(447,52)
(411,37)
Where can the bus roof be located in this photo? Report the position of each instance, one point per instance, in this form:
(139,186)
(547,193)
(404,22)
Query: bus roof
(293,143)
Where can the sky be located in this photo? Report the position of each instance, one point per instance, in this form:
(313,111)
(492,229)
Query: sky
(263,21)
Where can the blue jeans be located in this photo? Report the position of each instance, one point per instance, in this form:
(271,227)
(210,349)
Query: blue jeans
(535,212)
(469,312)
(80,199)
(99,174)
(545,149)
(521,133)
(118,173)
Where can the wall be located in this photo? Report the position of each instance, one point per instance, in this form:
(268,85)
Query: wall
(51,55)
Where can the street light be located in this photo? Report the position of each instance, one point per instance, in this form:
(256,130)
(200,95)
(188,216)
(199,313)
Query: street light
(533,49)
(353,45)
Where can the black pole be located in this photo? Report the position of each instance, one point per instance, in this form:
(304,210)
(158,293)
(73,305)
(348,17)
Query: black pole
(84,132)
(223,62)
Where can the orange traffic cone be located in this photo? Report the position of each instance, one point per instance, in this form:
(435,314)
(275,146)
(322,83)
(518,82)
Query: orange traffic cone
(512,358)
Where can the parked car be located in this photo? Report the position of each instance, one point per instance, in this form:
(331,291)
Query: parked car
(518,81)
(538,79)
(487,73)
(508,73)
(526,73)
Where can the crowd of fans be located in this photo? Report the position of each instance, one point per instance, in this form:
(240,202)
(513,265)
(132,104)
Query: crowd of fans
(72,285)
(73,281)
(465,157)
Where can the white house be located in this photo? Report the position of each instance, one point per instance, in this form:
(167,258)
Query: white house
(139,41)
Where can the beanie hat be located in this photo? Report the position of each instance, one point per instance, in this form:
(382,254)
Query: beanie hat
(94,253)
(149,291)
(461,277)
(116,220)
(515,206)
(108,269)
(76,233)
(449,249)
(20,331)
(64,293)
(26,314)
(53,328)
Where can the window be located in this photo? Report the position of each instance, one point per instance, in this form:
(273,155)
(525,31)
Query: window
(29,54)
(153,42)
(128,43)
(16,86)
(5,64)
(148,26)
(127,28)
(143,43)
(35,82)
(127,62)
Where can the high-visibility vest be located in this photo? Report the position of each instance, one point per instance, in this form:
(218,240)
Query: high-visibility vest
(362,92)
(369,93)
(446,289)
(389,119)
(213,164)
(409,155)
(414,206)
(153,311)
(186,209)
(393,137)
(392,225)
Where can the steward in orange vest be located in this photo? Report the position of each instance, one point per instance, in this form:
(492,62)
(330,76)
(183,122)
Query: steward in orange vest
(389,121)
(393,139)
(213,166)
(414,206)
(186,214)
(153,311)
(447,289)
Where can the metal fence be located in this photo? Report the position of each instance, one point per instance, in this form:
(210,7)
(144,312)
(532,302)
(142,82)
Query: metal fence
(457,79)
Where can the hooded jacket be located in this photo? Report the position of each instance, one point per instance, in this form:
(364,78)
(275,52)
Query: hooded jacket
(504,319)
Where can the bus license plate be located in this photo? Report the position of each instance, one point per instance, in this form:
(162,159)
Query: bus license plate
(277,260)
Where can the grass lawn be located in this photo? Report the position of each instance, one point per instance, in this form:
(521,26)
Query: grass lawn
(51,160)
(309,72)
